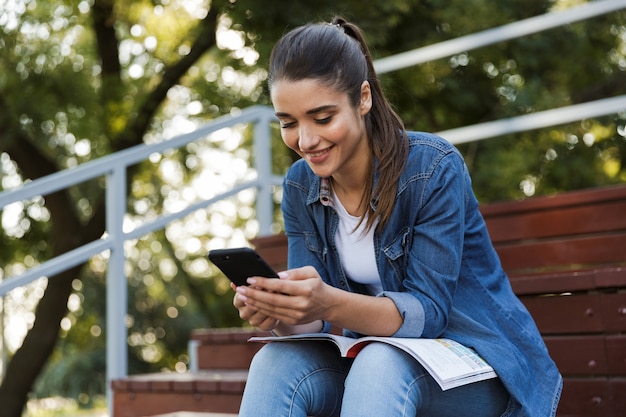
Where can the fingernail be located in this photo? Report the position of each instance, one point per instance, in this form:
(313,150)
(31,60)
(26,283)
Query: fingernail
(283,275)
(251,281)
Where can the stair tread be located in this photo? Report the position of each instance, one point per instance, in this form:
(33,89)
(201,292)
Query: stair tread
(225,335)
(216,380)
(212,374)
(196,414)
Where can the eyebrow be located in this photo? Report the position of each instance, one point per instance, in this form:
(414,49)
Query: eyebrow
(312,111)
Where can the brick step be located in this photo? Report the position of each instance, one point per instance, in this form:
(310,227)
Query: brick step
(195,414)
(223,348)
(216,391)
(220,361)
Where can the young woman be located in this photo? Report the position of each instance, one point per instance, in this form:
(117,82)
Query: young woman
(386,239)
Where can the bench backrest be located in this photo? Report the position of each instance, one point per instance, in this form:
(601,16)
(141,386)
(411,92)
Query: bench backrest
(566,259)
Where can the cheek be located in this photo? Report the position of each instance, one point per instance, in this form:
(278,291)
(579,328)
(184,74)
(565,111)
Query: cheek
(291,140)
(340,132)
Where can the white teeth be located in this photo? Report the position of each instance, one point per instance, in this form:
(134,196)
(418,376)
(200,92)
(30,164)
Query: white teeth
(316,154)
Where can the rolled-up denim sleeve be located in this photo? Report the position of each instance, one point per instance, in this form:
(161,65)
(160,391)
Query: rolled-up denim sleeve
(412,312)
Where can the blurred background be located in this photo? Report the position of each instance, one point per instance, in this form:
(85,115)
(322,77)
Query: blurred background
(83,79)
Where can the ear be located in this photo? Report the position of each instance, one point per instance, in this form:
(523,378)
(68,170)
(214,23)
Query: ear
(366,98)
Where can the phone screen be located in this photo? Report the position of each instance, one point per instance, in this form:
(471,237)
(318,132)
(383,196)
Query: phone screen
(238,264)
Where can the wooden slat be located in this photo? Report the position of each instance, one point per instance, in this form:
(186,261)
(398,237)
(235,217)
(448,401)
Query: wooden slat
(596,195)
(588,358)
(597,397)
(611,277)
(618,393)
(563,253)
(616,356)
(573,314)
(569,221)
(553,283)
(580,313)
(568,281)
(614,311)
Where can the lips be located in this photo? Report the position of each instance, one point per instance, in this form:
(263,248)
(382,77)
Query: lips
(319,156)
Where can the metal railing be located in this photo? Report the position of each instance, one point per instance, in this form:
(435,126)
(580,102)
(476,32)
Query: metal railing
(114,167)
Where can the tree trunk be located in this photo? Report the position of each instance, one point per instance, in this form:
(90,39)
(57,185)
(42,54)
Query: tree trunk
(67,230)
(39,343)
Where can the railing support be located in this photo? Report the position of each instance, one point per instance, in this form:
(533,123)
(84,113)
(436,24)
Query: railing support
(263,165)
(117,284)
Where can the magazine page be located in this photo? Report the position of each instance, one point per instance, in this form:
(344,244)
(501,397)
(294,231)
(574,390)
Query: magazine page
(450,363)
(343,343)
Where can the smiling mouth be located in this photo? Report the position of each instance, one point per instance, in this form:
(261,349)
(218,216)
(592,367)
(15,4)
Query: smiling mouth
(317,154)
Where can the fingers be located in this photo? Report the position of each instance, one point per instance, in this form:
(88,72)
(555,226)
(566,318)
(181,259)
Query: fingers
(259,320)
(293,299)
(252,316)
(290,282)
(290,309)
(298,274)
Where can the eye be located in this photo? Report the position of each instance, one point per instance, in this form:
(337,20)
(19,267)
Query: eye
(286,125)
(324,120)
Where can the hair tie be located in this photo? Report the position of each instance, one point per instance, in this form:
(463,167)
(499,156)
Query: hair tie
(338,26)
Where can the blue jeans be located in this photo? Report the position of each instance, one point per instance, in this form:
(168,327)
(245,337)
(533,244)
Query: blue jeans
(309,378)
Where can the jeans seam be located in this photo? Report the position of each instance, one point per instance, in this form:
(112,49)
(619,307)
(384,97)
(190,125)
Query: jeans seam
(301,381)
(409,396)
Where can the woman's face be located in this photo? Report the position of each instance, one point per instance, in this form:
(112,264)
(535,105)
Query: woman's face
(323,127)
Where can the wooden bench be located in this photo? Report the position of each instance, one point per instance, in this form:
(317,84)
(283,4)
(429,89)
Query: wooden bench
(566,259)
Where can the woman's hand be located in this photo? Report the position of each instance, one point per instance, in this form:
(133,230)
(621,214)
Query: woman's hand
(253,317)
(298,297)
(300,300)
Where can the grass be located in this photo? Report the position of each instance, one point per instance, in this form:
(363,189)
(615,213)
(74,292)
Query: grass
(64,407)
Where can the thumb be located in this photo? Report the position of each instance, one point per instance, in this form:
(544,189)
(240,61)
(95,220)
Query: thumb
(298,274)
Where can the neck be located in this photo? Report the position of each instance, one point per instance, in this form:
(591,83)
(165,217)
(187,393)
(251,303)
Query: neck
(350,195)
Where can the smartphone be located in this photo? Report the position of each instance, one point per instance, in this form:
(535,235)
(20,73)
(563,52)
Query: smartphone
(238,264)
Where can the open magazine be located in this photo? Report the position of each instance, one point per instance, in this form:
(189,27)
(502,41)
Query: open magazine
(450,363)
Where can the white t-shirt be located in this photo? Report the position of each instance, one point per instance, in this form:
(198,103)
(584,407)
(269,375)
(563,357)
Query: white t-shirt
(356,250)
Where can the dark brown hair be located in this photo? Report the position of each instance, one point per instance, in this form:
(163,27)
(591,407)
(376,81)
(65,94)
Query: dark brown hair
(337,55)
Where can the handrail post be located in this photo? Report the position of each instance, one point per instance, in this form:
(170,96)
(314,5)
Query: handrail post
(3,343)
(263,165)
(117,290)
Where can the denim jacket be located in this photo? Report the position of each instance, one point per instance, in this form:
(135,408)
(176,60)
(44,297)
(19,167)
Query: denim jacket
(437,264)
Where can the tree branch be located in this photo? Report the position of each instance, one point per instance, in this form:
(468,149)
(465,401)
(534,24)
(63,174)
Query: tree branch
(205,40)
(106,39)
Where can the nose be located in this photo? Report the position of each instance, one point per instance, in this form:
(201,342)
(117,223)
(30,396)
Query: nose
(307,138)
